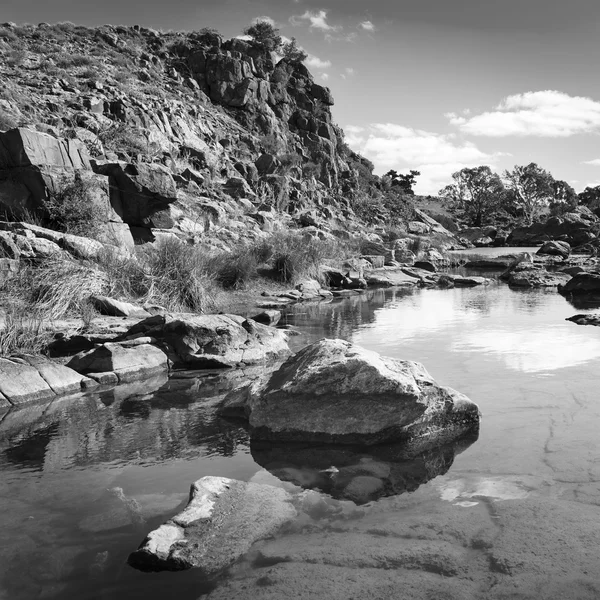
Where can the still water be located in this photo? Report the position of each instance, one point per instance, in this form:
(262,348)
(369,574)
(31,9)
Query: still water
(83,480)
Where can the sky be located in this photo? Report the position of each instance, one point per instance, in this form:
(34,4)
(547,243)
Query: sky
(431,85)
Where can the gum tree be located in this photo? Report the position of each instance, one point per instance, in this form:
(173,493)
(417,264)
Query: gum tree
(532,190)
(476,194)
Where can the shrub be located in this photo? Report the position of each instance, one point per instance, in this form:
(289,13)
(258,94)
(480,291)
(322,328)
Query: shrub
(71,209)
(235,270)
(295,257)
(122,138)
(181,279)
(7,121)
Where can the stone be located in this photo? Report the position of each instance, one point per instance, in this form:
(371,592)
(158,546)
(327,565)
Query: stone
(575,228)
(205,341)
(582,283)
(499,262)
(222,520)
(378,281)
(22,147)
(140,193)
(425,265)
(555,248)
(377,262)
(129,364)
(26,378)
(527,275)
(418,228)
(117,308)
(268,317)
(236,187)
(335,392)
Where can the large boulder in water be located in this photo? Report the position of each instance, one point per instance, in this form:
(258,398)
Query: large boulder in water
(582,283)
(556,248)
(223,518)
(335,392)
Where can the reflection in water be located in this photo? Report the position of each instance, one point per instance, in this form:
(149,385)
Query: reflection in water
(82,480)
(355,473)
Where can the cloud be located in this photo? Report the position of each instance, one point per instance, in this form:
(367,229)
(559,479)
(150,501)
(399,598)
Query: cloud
(436,156)
(316,20)
(546,113)
(314,62)
(595,162)
(324,76)
(348,72)
(367,26)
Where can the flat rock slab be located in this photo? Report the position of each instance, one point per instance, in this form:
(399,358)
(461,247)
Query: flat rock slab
(128,364)
(29,378)
(223,518)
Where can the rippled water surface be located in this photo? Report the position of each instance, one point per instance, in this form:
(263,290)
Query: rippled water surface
(83,480)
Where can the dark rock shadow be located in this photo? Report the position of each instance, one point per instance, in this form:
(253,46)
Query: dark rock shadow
(357,473)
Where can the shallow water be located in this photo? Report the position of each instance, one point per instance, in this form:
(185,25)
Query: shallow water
(83,480)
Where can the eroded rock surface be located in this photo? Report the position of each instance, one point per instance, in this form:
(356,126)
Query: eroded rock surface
(223,518)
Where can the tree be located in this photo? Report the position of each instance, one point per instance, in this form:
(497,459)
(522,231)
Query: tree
(476,194)
(404,182)
(292,52)
(264,33)
(532,189)
(590,197)
(564,197)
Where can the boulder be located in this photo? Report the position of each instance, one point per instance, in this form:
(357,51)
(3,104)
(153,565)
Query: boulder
(29,378)
(23,147)
(575,228)
(555,248)
(418,228)
(117,308)
(377,262)
(425,265)
(528,275)
(222,520)
(585,319)
(128,363)
(582,283)
(335,392)
(268,317)
(140,193)
(499,262)
(214,341)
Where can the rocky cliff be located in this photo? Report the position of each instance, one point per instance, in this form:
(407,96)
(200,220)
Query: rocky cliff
(166,133)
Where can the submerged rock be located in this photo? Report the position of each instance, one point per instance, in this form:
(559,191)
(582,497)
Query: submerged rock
(529,275)
(223,518)
(335,392)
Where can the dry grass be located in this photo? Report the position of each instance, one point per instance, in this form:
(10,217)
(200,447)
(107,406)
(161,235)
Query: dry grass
(23,333)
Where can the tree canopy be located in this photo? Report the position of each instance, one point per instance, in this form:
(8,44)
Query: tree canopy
(476,194)
(404,183)
(265,33)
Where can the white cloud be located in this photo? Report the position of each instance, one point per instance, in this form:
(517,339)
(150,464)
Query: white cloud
(595,162)
(546,113)
(316,20)
(367,26)
(314,62)
(348,72)
(436,156)
(324,76)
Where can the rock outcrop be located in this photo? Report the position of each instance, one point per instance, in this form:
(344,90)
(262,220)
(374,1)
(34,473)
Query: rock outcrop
(223,518)
(213,341)
(582,283)
(336,392)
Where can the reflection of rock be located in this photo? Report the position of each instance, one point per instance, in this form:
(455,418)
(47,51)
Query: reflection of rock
(223,518)
(336,392)
(354,473)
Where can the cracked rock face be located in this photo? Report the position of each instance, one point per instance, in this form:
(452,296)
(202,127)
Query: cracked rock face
(335,392)
(223,518)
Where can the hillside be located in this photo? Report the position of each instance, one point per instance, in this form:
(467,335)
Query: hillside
(196,123)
